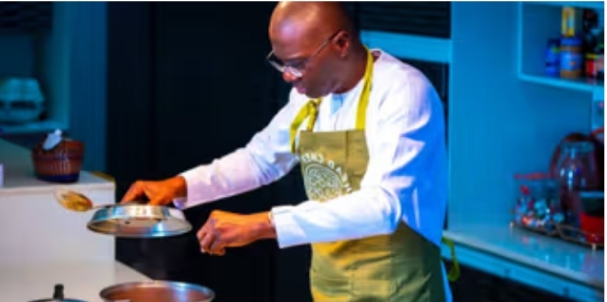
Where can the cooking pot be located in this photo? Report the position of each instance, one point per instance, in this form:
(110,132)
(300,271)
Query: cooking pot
(157,291)
(58,296)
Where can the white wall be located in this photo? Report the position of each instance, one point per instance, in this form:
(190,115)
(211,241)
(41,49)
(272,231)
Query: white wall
(499,125)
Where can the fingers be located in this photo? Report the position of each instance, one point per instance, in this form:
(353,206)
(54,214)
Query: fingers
(210,241)
(205,242)
(217,248)
(203,239)
(211,244)
(134,192)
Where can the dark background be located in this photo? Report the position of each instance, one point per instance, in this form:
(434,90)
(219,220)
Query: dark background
(188,83)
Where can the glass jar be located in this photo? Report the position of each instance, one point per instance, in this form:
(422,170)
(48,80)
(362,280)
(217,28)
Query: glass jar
(575,171)
(571,58)
(538,204)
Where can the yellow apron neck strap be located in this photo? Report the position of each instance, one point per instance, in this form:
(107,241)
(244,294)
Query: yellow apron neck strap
(361,113)
(311,108)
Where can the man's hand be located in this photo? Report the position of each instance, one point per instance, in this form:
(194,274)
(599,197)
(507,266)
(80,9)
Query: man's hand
(224,229)
(160,192)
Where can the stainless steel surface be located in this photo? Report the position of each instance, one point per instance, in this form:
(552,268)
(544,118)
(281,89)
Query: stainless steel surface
(134,220)
(157,291)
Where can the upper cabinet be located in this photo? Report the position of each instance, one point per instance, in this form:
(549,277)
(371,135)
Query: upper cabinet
(553,36)
(26,17)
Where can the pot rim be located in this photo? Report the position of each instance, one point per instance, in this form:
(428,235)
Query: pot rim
(154,284)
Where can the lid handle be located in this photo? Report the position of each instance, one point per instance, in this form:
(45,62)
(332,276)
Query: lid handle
(58,294)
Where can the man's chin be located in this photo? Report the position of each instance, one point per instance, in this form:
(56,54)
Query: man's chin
(312,95)
(309,94)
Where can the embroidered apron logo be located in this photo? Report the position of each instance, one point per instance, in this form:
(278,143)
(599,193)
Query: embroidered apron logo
(323,179)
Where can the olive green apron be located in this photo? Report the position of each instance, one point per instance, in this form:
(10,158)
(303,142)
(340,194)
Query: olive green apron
(402,266)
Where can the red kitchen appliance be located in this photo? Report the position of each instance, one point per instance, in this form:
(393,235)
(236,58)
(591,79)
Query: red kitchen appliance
(578,166)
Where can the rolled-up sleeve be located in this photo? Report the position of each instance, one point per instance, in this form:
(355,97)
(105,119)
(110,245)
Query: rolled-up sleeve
(404,131)
(266,158)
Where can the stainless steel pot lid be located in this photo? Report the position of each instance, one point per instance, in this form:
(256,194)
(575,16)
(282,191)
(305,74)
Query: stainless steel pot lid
(157,291)
(135,220)
(58,296)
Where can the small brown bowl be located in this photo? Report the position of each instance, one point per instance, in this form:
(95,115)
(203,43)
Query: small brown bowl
(61,164)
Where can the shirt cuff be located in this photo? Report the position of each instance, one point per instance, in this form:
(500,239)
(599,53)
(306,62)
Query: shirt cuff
(190,177)
(193,179)
(180,203)
(288,232)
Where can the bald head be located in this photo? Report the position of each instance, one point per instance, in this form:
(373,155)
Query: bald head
(304,23)
(317,39)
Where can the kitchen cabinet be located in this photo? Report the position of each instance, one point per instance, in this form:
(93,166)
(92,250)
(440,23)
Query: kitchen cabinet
(537,23)
(549,266)
(479,286)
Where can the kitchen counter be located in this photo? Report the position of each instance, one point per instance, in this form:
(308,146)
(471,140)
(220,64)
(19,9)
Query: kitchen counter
(42,243)
(22,282)
(559,267)
(19,175)
(36,228)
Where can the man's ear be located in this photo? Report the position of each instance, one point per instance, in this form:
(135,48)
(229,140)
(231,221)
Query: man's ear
(342,42)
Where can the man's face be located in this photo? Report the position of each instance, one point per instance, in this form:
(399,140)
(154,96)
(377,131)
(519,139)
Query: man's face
(307,63)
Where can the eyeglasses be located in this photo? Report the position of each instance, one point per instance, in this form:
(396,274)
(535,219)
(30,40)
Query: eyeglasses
(297,69)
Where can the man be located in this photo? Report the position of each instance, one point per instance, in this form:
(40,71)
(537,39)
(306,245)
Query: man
(368,131)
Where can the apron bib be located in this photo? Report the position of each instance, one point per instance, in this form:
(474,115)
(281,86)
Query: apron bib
(402,266)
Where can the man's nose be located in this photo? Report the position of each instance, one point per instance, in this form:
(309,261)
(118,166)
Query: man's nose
(289,77)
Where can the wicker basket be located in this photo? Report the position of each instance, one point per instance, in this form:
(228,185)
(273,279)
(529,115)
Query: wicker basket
(61,164)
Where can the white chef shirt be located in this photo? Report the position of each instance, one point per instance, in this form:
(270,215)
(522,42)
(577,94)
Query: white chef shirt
(406,178)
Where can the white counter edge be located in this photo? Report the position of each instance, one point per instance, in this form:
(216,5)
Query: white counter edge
(504,264)
(44,187)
